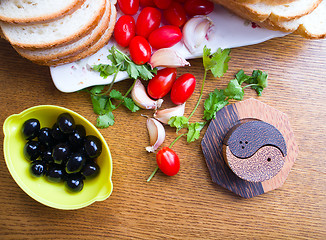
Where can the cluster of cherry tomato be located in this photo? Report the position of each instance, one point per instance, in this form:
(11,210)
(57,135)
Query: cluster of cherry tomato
(145,33)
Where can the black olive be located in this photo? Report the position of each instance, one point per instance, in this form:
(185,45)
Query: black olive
(38,168)
(66,123)
(90,170)
(74,182)
(55,173)
(57,134)
(93,146)
(46,155)
(31,128)
(32,150)
(75,162)
(60,152)
(76,138)
(45,136)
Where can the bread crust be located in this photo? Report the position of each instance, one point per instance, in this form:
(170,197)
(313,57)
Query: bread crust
(96,35)
(269,2)
(299,25)
(87,51)
(70,39)
(247,12)
(46,18)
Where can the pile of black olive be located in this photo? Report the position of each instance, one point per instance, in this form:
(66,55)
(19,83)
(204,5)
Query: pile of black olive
(63,152)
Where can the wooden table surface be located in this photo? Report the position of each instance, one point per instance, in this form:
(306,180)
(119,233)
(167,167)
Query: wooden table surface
(188,205)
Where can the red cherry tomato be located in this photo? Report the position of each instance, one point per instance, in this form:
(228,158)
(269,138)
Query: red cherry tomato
(140,50)
(183,88)
(198,7)
(165,37)
(129,7)
(161,83)
(148,20)
(146,3)
(175,14)
(162,4)
(168,161)
(124,30)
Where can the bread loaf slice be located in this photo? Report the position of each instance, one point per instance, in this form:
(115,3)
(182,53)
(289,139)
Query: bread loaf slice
(36,11)
(259,12)
(269,2)
(87,51)
(68,29)
(70,49)
(311,26)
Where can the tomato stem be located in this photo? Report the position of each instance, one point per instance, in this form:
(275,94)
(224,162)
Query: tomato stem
(177,138)
(200,96)
(152,175)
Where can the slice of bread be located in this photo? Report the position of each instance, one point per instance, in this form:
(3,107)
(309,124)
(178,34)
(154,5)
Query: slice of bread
(87,51)
(259,12)
(68,29)
(36,11)
(311,26)
(70,49)
(269,2)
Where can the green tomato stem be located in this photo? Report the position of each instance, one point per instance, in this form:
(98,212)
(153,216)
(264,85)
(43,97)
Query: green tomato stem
(152,175)
(200,96)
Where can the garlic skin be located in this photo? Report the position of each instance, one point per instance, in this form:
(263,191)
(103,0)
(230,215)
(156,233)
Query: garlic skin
(167,57)
(164,115)
(156,134)
(195,31)
(141,99)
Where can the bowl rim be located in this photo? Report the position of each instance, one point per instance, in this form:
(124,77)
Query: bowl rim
(99,197)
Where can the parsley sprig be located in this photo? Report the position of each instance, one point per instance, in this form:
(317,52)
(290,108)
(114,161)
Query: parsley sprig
(106,101)
(217,64)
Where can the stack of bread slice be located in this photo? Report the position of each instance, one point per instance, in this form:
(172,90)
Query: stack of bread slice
(305,17)
(57,32)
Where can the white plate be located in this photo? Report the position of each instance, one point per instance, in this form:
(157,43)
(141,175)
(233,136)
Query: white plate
(229,31)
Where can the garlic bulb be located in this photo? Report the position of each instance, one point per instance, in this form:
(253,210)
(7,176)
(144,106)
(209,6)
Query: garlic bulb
(142,100)
(167,57)
(165,114)
(195,31)
(156,134)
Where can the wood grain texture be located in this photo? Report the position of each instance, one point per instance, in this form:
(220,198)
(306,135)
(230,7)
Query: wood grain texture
(188,205)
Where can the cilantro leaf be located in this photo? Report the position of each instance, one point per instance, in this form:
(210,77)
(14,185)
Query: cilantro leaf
(216,62)
(234,90)
(194,131)
(116,95)
(179,122)
(257,80)
(216,101)
(130,104)
(97,89)
(99,104)
(105,120)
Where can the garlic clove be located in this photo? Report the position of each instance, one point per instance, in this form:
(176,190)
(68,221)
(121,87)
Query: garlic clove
(167,57)
(195,31)
(164,115)
(156,134)
(141,99)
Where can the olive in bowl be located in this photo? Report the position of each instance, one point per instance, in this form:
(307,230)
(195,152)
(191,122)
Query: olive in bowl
(50,189)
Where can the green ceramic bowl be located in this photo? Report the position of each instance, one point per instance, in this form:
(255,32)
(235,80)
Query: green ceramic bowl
(53,194)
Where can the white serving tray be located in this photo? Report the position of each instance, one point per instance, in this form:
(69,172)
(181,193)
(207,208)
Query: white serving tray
(229,31)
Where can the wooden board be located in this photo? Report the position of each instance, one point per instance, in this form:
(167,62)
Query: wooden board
(212,146)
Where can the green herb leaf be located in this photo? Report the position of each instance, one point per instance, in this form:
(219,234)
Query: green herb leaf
(216,101)
(99,104)
(257,80)
(216,62)
(194,131)
(120,61)
(130,104)
(105,120)
(234,90)
(179,122)
(116,95)
(97,89)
